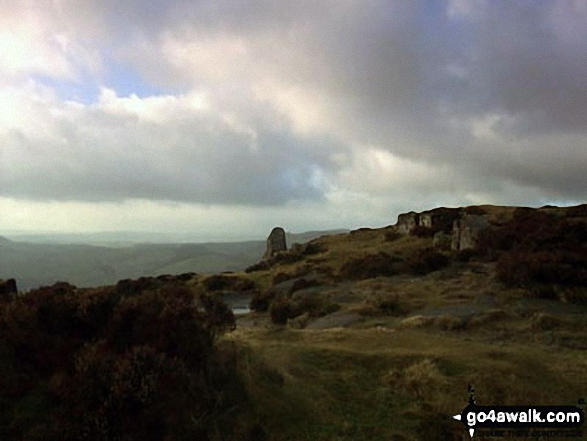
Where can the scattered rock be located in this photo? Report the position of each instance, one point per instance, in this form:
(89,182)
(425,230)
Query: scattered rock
(289,286)
(336,320)
(300,322)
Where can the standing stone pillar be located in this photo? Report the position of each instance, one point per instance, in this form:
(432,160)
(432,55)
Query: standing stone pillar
(275,242)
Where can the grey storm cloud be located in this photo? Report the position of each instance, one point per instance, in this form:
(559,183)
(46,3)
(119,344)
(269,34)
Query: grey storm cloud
(496,92)
(100,158)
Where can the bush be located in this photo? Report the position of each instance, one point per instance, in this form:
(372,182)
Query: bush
(114,363)
(313,303)
(282,277)
(308,248)
(263,265)
(304,283)
(284,257)
(419,379)
(299,322)
(546,322)
(389,304)
(466,255)
(280,310)
(577,211)
(260,301)
(526,268)
(478,211)
(222,282)
(449,323)
(372,265)
(424,261)
(295,254)
(420,231)
(417,321)
(391,236)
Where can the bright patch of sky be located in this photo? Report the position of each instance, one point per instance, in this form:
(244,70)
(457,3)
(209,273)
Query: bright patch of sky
(85,91)
(126,81)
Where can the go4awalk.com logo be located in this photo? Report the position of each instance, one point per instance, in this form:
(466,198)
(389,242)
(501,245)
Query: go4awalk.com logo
(522,420)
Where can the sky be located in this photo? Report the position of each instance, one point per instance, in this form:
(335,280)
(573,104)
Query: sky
(222,119)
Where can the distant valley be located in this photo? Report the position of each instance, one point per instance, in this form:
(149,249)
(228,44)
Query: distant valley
(42,260)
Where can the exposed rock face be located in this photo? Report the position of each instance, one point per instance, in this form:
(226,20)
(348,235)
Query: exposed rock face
(439,219)
(466,231)
(407,222)
(8,288)
(442,241)
(426,220)
(452,228)
(275,242)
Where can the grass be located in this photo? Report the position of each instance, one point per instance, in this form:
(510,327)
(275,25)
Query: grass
(364,384)
(401,373)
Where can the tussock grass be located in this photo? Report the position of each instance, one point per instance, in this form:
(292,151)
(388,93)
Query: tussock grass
(367,385)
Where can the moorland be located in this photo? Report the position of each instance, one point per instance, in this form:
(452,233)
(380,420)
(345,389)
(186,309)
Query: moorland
(374,334)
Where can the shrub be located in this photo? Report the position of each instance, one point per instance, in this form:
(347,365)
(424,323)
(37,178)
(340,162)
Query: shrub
(546,322)
(389,304)
(360,231)
(218,282)
(280,310)
(223,282)
(466,255)
(417,321)
(304,283)
(478,211)
(131,287)
(577,211)
(283,257)
(300,271)
(260,301)
(372,265)
(114,363)
(186,276)
(263,265)
(391,236)
(419,379)
(283,277)
(486,318)
(315,304)
(528,268)
(424,261)
(308,248)
(448,323)
(300,322)
(421,231)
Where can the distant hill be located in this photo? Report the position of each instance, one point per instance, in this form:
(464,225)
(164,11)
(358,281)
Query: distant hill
(4,241)
(36,264)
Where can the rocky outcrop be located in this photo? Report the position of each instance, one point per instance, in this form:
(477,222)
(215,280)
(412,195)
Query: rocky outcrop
(7,289)
(439,219)
(452,228)
(442,241)
(407,222)
(466,231)
(275,242)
